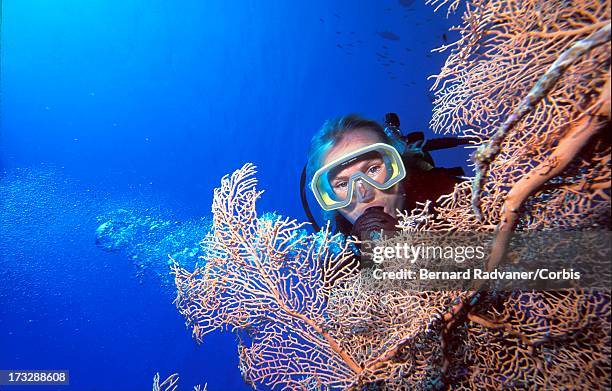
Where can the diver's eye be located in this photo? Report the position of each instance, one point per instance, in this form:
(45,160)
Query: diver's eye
(374,170)
(340,185)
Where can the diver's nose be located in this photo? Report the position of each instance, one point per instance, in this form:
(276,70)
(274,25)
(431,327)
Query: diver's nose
(364,191)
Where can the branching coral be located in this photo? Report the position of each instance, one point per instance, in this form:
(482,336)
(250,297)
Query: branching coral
(303,315)
(171,383)
(521,77)
(534,340)
(265,277)
(531,81)
(306,318)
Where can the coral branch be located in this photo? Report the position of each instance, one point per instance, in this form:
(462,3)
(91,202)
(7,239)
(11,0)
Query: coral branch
(498,325)
(265,274)
(307,318)
(568,148)
(171,383)
(486,153)
(568,33)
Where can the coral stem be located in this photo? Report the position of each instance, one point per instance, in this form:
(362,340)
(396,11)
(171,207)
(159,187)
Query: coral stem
(569,146)
(486,153)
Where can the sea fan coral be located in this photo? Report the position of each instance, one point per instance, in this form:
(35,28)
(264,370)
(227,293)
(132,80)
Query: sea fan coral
(171,383)
(304,315)
(307,318)
(491,89)
(267,278)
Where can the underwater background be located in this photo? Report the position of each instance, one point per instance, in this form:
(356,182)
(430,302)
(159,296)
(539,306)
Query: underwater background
(119,118)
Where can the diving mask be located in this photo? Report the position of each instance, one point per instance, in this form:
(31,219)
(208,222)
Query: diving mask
(378,165)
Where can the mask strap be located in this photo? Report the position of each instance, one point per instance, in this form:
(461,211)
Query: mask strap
(304,199)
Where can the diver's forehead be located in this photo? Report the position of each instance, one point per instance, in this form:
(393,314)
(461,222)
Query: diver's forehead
(350,142)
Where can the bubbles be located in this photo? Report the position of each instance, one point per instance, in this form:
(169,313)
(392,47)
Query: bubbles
(50,221)
(149,238)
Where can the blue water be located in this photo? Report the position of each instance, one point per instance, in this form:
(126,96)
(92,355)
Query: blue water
(128,113)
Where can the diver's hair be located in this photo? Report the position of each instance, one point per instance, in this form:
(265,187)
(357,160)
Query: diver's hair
(335,129)
(332,132)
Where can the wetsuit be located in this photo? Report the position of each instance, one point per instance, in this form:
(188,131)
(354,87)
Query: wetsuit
(419,186)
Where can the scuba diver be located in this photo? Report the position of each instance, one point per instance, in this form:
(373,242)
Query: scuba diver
(362,173)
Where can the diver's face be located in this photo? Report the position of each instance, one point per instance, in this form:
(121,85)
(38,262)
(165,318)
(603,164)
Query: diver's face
(390,199)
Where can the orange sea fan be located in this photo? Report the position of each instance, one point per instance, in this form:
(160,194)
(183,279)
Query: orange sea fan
(307,319)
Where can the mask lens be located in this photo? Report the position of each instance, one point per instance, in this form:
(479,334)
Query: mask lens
(371,165)
(378,166)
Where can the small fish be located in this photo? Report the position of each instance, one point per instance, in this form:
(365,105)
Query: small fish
(322,20)
(352,33)
(408,49)
(338,32)
(386,65)
(381,55)
(388,9)
(392,61)
(340,46)
(359,41)
(444,38)
(401,63)
(337,16)
(388,35)
(428,55)
(384,47)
